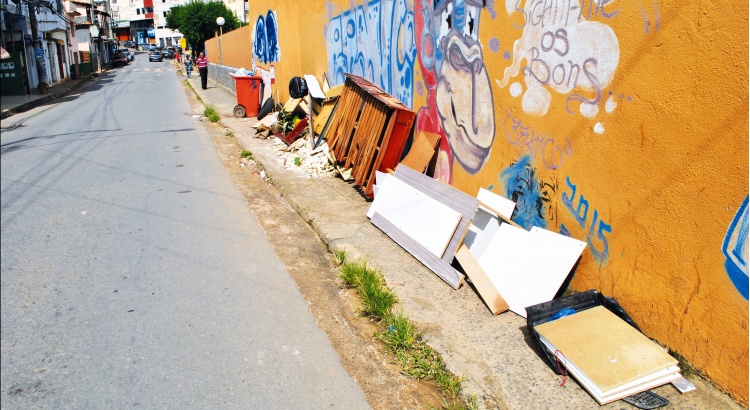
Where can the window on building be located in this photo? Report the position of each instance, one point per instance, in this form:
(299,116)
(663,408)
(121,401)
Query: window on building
(165,13)
(149,9)
(138,11)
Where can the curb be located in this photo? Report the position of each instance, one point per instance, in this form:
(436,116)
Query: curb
(39,101)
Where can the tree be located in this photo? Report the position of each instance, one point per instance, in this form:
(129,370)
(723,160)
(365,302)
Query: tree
(196,21)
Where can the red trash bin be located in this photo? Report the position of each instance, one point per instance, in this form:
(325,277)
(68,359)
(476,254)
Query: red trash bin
(248,95)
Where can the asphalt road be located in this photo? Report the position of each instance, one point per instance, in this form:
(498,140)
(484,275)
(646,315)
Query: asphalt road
(133,273)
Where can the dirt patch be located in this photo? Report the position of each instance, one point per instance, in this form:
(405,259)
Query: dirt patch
(310,264)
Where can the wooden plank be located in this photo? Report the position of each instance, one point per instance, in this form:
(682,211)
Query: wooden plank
(491,297)
(385,140)
(360,136)
(441,268)
(365,162)
(465,204)
(416,214)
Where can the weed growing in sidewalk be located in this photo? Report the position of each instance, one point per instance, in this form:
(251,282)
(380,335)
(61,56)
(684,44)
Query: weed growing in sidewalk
(211,114)
(246,154)
(297,161)
(339,256)
(399,335)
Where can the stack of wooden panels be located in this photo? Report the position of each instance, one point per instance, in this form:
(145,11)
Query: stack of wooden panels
(425,217)
(610,358)
(368,131)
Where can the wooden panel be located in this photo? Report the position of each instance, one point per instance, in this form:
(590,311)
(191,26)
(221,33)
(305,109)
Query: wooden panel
(529,267)
(446,194)
(486,289)
(422,150)
(609,352)
(416,214)
(442,269)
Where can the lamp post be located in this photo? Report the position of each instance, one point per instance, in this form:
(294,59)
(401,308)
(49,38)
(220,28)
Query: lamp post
(220,21)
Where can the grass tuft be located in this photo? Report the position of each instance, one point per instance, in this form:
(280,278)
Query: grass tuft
(211,114)
(246,154)
(399,335)
(339,256)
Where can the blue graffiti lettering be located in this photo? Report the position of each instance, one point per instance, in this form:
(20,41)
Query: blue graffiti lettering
(580,214)
(377,44)
(265,39)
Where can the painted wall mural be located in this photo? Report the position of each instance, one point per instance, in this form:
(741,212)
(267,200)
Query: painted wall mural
(535,196)
(735,249)
(595,230)
(374,41)
(564,49)
(265,38)
(459,94)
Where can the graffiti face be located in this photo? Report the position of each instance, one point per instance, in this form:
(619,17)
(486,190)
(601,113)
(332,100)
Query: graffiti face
(454,71)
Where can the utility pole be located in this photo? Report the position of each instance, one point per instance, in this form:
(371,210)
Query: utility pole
(37,46)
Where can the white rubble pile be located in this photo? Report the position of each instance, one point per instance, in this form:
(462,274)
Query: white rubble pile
(299,156)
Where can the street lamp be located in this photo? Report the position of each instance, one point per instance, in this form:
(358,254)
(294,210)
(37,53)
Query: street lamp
(220,21)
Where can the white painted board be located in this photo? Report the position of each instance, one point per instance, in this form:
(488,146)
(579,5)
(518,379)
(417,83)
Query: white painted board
(416,214)
(313,86)
(502,205)
(528,267)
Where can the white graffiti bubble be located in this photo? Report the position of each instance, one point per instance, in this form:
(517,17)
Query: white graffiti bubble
(589,110)
(536,100)
(599,128)
(562,52)
(516,89)
(610,105)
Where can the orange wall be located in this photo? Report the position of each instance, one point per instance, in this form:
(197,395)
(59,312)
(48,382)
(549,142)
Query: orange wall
(624,124)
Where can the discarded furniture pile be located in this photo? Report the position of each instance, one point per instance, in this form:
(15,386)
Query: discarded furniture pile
(462,238)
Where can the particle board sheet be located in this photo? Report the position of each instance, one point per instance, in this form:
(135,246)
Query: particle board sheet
(465,204)
(422,151)
(611,358)
(416,214)
(528,267)
(441,268)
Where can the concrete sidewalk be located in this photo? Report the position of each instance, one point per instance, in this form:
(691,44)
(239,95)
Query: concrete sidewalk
(12,104)
(495,353)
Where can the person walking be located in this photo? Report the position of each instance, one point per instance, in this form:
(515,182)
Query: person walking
(202,63)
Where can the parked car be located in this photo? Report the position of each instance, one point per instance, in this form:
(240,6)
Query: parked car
(129,54)
(155,56)
(168,52)
(152,47)
(120,59)
(129,44)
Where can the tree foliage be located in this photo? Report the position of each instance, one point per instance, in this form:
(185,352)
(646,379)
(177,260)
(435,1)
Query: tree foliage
(196,21)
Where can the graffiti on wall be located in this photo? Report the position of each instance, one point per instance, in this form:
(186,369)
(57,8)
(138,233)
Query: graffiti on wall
(459,94)
(596,229)
(735,249)
(538,144)
(534,196)
(565,50)
(374,41)
(266,38)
